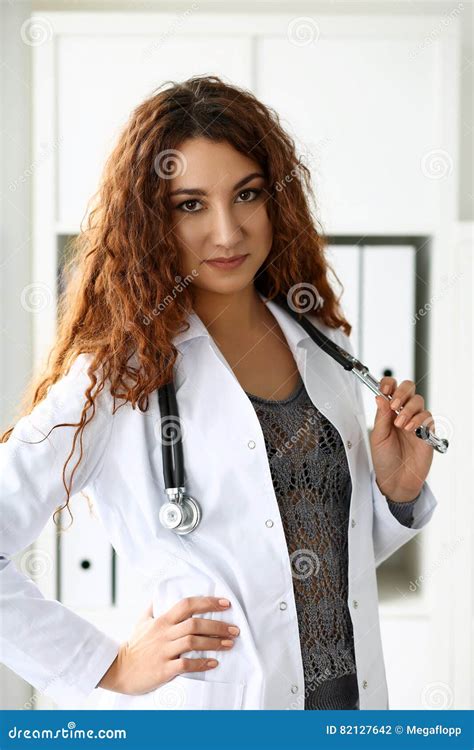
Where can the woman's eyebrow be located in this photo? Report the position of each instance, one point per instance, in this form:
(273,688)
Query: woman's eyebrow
(198,191)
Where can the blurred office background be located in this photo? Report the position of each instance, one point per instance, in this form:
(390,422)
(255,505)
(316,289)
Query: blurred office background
(379,98)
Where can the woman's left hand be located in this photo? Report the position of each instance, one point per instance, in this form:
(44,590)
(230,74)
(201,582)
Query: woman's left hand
(401,459)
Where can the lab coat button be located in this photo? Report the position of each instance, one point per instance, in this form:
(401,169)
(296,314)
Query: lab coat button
(355,603)
(294,688)
(364,684)
(269,523)
(251,444)
(282,605)
(349,444)
(353,523)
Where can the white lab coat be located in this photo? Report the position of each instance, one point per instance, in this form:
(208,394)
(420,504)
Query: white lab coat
(233,553)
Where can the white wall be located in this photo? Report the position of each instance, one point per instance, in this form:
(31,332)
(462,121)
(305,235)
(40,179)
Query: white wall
(333,7)
(15,229)
(15,322)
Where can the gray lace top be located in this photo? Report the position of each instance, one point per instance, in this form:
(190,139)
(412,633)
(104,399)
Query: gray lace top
(313,488)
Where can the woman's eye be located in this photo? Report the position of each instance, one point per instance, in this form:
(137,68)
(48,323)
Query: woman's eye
(187,210)
(186,203)
(250,190)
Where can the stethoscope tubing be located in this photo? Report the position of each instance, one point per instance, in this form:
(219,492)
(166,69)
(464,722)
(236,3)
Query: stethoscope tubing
(358,369)
(171,442)
(171,439)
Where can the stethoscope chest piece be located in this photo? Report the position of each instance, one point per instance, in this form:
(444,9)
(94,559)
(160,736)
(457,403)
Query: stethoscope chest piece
(182,512)
(181,515)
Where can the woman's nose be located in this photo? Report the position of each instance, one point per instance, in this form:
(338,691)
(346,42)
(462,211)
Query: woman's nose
(226,229)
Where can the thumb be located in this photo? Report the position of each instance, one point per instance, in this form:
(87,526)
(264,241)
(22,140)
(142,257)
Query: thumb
(384,418)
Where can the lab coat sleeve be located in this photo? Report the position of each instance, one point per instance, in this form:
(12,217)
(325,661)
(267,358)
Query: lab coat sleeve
(58,652)
(403,512)
(388,533)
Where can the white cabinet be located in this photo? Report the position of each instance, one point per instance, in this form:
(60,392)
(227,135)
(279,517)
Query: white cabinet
(365,111)
(345,260)
(85,557)
(361,95)
(379,301)
(388,305)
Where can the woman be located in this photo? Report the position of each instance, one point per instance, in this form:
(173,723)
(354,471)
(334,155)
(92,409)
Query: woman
(298,506)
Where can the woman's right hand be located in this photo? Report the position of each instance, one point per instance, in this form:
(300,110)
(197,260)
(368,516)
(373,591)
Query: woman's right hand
(152,655)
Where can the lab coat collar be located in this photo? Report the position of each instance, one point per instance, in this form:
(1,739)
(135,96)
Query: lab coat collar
(294,333)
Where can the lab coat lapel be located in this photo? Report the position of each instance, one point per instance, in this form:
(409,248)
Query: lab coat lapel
(326,382)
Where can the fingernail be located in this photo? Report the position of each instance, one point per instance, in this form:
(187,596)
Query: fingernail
(400,420)
(224,602)
(395,403)
(227,643)
(212,663)
(233,630)
(409,426)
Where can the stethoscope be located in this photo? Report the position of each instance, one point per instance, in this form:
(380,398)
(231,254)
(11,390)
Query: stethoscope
(182,513)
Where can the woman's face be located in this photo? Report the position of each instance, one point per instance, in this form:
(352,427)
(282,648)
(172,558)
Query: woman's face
(219,211)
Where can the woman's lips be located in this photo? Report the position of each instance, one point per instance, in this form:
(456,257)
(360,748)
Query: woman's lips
(227,264)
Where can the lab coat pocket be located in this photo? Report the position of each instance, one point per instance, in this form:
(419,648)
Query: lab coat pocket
(185,693)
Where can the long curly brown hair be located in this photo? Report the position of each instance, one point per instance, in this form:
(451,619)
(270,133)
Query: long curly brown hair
(126,263)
